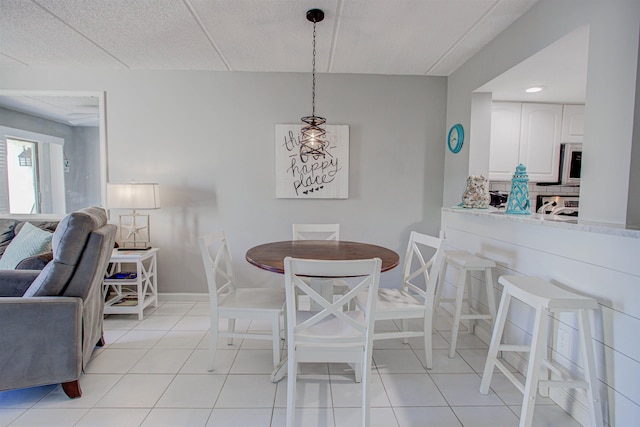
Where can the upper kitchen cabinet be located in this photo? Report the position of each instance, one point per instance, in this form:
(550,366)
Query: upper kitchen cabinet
(526,133)
(505,140)
(572,123)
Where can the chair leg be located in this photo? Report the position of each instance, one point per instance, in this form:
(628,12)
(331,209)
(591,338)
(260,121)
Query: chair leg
(496,338)
(213,342)
(292,372)
(275,339)
(595,409)
(231,329)
(439,285)
(456,318)
(72,389)
(405,328)
(538,350)
(428,343)
(491,296)
(470,324)
(357,370)
(366,399)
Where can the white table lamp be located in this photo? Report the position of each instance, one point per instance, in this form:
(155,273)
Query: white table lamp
(134,227)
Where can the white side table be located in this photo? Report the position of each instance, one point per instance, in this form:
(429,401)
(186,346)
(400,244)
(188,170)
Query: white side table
(132,295)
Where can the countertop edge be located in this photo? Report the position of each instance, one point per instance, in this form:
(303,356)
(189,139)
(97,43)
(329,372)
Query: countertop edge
(545,221)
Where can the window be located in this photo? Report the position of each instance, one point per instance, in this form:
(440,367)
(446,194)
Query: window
(31,173)
(22,176)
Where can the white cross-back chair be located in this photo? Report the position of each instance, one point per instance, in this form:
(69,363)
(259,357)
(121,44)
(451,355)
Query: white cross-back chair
(316,231)
(230,302)
(415,298)
(321,232)
(330,334)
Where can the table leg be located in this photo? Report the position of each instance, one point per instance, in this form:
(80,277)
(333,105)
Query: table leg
(324,287)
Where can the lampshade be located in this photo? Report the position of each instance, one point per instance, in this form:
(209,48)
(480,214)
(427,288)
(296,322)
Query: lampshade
(133,196)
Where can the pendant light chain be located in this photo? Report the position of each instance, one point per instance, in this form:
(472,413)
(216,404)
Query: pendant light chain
(313,141)
(313,63)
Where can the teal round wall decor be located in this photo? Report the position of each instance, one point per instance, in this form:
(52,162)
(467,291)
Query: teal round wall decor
(455,138)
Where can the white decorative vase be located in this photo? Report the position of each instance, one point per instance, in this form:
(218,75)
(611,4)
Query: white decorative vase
(475,194)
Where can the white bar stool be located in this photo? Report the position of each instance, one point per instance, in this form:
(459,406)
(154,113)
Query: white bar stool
(466,263)
(544,297)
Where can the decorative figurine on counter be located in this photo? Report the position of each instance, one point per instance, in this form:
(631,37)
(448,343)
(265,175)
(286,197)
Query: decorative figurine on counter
(519,202)
(475,194)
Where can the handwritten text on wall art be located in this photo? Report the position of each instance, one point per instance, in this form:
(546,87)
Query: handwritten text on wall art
(312,177)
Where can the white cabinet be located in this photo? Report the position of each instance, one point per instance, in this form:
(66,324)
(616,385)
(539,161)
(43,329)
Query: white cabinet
(505,140)
(540,141)
(526,133)
(572,123)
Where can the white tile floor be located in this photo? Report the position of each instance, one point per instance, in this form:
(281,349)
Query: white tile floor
(153,373)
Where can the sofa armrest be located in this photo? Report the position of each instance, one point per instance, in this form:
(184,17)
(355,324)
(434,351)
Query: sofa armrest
(36,262)
(14,283)
(41,341)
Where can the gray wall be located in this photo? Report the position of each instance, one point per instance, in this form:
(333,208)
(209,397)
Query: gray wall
(82,182)
(208,139)
(633,212)
(610,98)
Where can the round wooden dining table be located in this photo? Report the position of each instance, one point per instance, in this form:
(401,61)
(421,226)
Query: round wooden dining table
(270,256)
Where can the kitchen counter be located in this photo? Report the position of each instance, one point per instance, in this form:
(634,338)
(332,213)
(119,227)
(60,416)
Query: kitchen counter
(556,221)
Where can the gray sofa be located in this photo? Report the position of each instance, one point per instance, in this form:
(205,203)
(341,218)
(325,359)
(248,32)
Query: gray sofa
(52,319)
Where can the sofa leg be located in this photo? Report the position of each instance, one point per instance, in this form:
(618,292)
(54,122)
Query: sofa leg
(72,389)
(101,342)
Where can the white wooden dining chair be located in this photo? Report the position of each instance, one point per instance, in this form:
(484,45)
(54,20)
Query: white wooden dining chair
(415,298)
(227,301)
(316,231)
(330,334)
(321,232)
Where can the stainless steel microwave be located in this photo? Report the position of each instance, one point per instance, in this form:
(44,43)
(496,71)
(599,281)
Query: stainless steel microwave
(571,163)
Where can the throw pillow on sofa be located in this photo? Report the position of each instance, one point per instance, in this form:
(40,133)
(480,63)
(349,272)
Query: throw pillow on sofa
(7,233)
(30,241)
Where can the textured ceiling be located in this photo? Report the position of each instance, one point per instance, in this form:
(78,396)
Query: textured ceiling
(415,37)
(397,37)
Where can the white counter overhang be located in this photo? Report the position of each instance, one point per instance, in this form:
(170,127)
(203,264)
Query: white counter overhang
(549,221)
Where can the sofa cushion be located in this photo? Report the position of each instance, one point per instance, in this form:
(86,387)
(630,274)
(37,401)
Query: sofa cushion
(30,241)
(7,233)
(69,241)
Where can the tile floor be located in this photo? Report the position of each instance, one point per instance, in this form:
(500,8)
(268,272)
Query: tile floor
(153,373)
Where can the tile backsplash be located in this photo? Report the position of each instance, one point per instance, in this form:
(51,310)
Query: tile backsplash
(535,190)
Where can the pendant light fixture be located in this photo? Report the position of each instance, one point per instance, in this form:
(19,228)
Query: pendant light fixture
(313,141)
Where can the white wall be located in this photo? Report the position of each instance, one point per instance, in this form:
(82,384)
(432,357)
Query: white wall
(602,266)
(208,140)
(609,117)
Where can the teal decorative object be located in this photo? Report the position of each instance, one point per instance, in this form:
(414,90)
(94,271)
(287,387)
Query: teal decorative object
(519,202)
(455,138)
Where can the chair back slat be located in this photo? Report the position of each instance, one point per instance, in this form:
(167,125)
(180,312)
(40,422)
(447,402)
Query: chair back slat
(366,274)
(216,257)
(316,231)
(420,276)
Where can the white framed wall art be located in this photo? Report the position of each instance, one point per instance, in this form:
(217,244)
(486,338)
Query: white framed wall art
(312,177)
